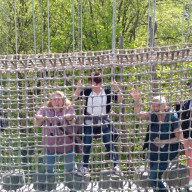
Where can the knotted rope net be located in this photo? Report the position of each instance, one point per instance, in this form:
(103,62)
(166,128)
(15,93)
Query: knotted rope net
(26,83)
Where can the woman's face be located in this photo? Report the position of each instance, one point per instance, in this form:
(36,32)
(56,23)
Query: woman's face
(57,102)
(158,107)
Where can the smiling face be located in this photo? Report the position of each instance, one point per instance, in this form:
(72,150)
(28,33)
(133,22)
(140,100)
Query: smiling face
(158,107)
(57,102)
(158,104)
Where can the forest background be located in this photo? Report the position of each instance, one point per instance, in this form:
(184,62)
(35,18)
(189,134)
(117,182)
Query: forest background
(51,23)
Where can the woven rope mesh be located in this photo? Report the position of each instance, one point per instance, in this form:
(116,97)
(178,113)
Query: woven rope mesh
(39,136)
(26,84)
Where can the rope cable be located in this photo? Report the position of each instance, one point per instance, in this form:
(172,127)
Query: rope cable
(6,27)
(81,26)
(48,26)
(78,22)
(183,21)
(34,33)
(113,40)
(152,68)
(41,27)
(153,35)
(182,63)
(187,35)
(78,25)
(148,32)
(114,26)
(15,18)
(73,27)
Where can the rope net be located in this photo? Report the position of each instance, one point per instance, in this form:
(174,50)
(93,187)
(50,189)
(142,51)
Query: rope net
(27,83)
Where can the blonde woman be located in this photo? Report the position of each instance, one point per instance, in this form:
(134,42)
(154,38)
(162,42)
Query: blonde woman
(55,119)
(163,136)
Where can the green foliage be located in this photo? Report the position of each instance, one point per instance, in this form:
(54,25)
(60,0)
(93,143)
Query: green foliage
(97,23)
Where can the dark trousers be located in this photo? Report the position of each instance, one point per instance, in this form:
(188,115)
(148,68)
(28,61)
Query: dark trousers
(155,175)
(88,130)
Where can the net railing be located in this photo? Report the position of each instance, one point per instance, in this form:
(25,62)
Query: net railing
(27,81)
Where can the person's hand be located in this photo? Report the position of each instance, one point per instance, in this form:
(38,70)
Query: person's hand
(158,142)
(39,119)
(135,94)
(114,84)
(79,83)
(68,117)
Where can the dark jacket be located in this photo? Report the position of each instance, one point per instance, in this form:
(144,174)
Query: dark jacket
(162,131)
(184,115)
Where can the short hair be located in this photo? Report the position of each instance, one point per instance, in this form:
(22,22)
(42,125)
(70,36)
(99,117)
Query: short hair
(90,78)
(159,99)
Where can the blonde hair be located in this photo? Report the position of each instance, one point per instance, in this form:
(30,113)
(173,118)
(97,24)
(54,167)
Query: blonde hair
(66,102)
(160,100)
